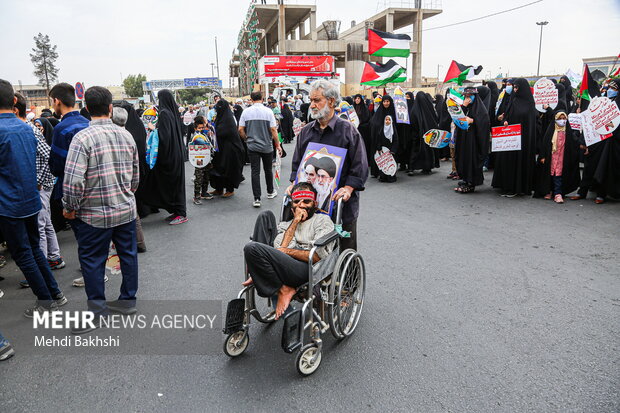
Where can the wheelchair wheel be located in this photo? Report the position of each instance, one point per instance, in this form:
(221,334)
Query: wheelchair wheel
(236,343)
(346,294)
(303,362)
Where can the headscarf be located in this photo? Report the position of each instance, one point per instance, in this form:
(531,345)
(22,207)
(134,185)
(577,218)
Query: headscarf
(484,94)
(558,128)
(167,104)
(568,89)
(361,109)
(225,125)
(378,119)
(410,100)
(388,130)
(349,100)
(48,129)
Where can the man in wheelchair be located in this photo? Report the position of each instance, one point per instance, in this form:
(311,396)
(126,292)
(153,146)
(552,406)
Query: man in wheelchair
(278,255)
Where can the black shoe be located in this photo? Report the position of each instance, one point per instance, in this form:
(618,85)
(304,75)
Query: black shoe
(141,249)
(87,327)
(126,307)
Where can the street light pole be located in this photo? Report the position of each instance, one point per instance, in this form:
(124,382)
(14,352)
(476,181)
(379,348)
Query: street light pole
(212,74)
(541,24)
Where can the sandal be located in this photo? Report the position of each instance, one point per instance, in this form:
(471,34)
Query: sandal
(548,196)
(456,177)
(465,189)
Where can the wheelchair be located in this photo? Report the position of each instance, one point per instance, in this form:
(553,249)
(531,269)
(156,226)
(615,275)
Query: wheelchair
(332,299)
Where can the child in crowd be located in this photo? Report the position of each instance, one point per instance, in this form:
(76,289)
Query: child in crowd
(201,175)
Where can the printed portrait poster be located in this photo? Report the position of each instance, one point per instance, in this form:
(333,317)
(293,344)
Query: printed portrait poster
(400,106)
(321,165)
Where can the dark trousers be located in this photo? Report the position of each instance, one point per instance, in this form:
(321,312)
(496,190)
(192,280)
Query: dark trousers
(22,240)
(557,185)
(93,247)
(255,160)
(350,242)
(270,268)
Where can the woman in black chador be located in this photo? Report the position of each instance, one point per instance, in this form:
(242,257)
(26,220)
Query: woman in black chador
(386,108)
(228,160)
(423,118)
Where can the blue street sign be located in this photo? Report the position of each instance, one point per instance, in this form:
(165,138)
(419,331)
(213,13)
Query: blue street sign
(210,82)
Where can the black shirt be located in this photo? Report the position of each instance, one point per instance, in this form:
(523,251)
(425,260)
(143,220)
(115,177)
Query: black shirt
(342,134)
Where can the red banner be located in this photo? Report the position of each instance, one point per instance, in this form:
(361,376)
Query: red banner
(294,65)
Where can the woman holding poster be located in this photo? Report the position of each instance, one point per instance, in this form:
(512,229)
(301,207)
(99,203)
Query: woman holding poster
(514,170)
(472,145)
(386,108)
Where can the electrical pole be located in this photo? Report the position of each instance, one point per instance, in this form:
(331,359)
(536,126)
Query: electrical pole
(541,24)
(217,59)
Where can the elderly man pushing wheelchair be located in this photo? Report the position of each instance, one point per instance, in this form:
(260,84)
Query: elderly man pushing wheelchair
(282,268)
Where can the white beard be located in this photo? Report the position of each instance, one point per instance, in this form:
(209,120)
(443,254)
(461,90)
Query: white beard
(320,114)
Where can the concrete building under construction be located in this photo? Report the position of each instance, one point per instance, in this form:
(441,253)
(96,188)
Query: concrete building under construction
(291,29)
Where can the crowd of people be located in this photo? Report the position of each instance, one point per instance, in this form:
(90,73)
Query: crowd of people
(87,170)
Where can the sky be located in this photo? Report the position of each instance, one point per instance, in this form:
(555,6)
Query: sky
(101,42)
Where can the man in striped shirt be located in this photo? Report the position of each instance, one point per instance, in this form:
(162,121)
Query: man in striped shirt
(101,176)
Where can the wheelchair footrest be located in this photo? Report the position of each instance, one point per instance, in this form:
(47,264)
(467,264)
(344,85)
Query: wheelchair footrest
(235,313)
(291,330)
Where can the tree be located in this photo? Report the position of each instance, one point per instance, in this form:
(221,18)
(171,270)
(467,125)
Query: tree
(133,85)
(193,96)
(43,58)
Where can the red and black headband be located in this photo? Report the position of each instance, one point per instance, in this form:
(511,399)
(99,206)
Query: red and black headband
(303,195)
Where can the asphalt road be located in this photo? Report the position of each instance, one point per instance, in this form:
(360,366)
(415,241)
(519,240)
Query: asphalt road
(474,303)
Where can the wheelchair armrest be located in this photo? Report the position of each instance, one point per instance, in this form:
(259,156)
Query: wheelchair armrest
(326,239)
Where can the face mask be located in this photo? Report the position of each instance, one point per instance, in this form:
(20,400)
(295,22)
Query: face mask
(612,93)
(509,89)
(561,122)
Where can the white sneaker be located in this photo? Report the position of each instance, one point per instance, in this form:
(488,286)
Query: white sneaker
(272,195)
(256,203)
(79,282)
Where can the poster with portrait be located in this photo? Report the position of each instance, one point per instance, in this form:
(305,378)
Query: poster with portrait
(321,165)
(199,150)
(150,116)
(400,106)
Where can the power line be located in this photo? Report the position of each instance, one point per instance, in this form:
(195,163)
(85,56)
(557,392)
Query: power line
(483,17)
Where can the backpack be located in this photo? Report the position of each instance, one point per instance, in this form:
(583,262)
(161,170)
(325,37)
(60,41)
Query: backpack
(152,147)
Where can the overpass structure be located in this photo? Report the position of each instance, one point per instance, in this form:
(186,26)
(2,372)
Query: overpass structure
(291,29)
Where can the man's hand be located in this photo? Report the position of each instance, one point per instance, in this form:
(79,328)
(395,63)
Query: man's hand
(300,215)
(279,149)
(345,193)
(68,214)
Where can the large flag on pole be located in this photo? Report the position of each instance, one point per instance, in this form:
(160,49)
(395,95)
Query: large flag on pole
(376,74)
(589,88)
(458,73)
(388,44)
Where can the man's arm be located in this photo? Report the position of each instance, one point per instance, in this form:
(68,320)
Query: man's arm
(276,141)
(75,176)
(135,177)
(58,154)
(300,255)
(358,170)
(242,133)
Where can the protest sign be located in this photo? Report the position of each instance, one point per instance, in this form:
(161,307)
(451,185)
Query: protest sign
(574,78)
(436,138)
(506,138)
(321,165)
(188,118)
(590,135)
(347,112)
(199,150)
(545,93)
(400,106)
(457,115)
(605,115)
(385,161)
(296,126)
(574,119)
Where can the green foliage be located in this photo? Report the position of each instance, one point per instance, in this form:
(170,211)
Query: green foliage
(193,96)
(133,85)
(43,58)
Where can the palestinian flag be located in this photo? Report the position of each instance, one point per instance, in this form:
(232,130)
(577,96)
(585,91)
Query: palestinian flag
(376,74)
(388,44)
(589,88)
(458,73)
